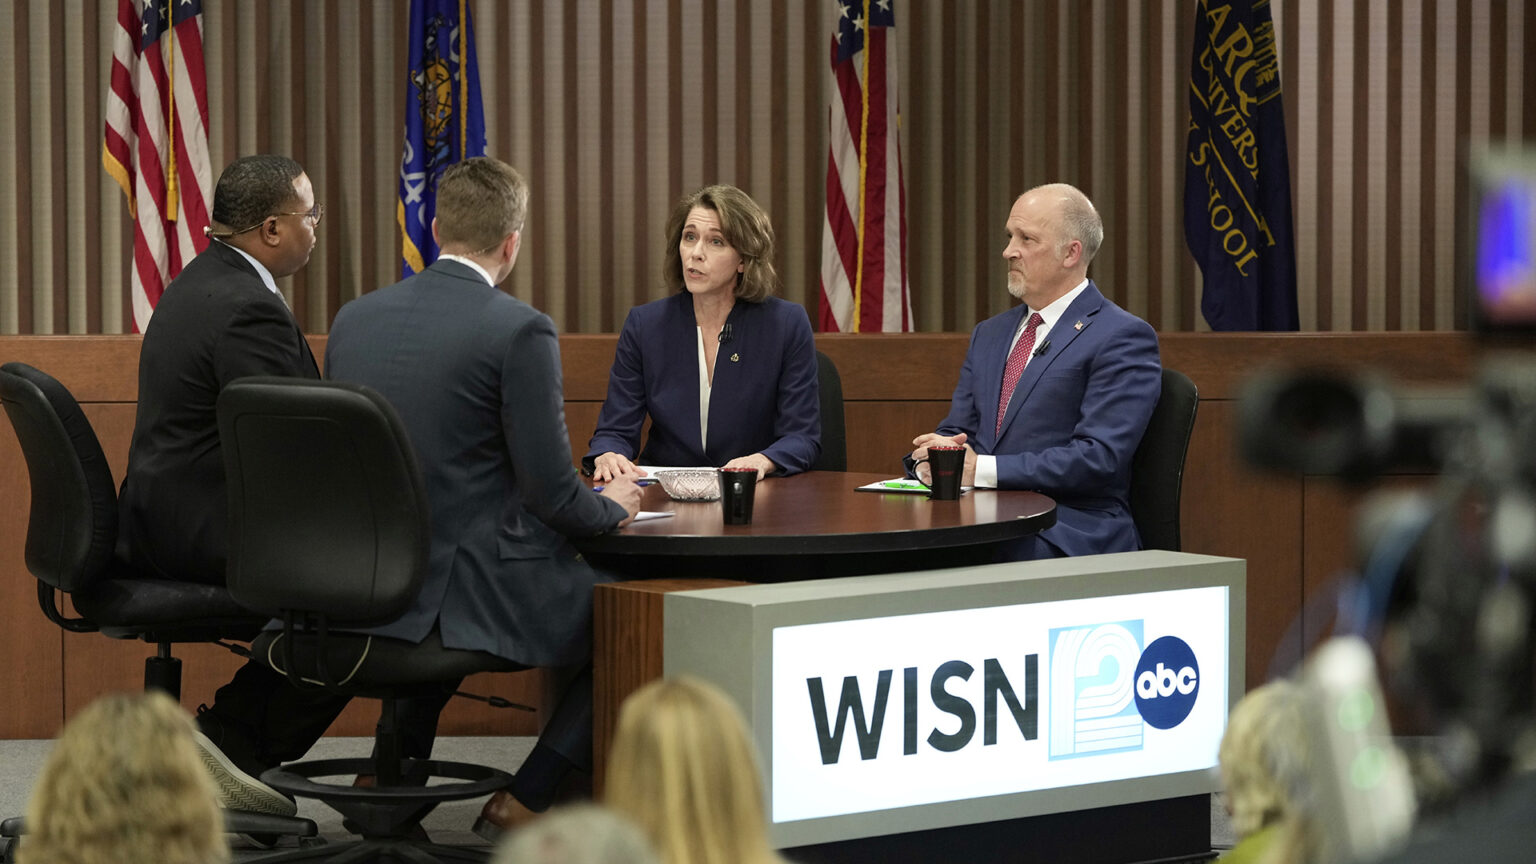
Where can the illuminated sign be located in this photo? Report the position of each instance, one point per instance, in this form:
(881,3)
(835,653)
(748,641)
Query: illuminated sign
(897,711)
(902,702)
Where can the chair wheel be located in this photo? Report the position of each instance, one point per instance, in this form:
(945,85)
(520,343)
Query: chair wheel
(263,841)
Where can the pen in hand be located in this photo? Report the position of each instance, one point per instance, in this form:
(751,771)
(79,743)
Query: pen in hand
(646,481)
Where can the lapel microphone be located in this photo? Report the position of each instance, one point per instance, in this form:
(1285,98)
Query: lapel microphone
(1044,347)
(725,333)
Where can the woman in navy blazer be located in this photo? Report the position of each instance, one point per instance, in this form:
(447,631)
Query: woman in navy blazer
(726,372)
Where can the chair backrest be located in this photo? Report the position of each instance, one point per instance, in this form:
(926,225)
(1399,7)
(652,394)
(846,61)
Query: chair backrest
(834,433)
(327,508)
(1157,472)
(72,526)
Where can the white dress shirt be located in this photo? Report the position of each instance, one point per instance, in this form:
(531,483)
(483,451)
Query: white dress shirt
(263,272)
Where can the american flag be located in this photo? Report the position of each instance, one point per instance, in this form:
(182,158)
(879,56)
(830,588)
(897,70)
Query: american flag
(864,240)
(159,96)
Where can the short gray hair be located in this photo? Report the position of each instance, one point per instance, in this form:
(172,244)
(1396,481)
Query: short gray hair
(1079,220)
(580,834)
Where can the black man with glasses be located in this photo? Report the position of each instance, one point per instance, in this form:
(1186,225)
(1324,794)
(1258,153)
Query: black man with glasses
(220,319)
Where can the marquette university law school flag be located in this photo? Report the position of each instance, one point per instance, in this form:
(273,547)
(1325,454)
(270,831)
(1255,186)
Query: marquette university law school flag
(864,235)
(1237,181)
(444,119)
(155,144)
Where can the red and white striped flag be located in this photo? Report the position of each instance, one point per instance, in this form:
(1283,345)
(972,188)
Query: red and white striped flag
(156,141)
(864,240)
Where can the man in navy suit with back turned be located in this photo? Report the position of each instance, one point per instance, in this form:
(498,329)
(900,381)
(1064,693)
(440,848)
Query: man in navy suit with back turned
(1055,394)
(475,376)
(222,318)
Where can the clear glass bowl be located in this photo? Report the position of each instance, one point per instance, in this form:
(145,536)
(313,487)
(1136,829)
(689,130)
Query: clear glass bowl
(691,484)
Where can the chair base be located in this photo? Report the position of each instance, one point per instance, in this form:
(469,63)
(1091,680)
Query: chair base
(407,851)
(270,828)
(385,815)
(260,825)
(10,830)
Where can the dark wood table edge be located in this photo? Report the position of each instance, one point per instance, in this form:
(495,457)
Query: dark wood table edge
(851,543)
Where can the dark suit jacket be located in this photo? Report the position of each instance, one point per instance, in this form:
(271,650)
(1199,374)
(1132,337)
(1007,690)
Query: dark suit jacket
(217,321)
(475,377)
(1074,421)
(763,399)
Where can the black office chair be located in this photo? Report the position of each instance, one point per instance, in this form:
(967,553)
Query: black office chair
(329,529)
(1157,471)
(71,541)
(834,433)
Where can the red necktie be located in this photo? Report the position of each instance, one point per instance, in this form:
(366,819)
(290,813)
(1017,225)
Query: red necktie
(1018,358)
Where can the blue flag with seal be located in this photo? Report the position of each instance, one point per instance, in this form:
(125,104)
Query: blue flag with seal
(1237,182)
(444,120)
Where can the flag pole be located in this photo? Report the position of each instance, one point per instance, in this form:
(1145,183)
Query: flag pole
(171,206)
(858,277)
(463,106)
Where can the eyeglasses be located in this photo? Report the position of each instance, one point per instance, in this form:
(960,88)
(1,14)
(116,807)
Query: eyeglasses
(314,214)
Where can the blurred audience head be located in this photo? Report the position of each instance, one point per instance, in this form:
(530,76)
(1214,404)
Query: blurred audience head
(1266,770)
(124,784)
(684,769)
(582,834)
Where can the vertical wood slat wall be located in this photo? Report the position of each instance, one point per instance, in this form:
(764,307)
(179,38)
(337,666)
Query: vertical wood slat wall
(615,108)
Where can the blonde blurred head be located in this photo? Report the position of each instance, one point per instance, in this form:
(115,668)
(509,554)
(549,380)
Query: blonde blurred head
(1266,770)
(579,834)
(124,784)
(683,768)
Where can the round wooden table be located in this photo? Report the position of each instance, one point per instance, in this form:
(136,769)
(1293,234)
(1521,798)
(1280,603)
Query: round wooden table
(816,525)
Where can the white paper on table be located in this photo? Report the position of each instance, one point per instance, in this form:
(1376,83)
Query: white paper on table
(643,515)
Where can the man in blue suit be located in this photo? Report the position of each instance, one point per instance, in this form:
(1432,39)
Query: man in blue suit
(1055,394)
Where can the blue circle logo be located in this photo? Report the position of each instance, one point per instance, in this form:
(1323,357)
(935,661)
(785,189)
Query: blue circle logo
(1167,682)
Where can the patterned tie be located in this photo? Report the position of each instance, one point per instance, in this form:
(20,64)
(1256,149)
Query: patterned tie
(1018,358)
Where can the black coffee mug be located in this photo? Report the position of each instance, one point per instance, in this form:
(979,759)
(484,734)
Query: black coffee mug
(737,489)
(946,464)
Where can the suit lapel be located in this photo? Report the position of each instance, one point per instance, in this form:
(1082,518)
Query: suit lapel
(686,356)
(1078,317)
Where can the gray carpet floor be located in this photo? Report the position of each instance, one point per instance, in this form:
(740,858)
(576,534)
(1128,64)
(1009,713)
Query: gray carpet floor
(21,761)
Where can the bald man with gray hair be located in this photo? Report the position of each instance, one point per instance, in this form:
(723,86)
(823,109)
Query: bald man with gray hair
(1055,393)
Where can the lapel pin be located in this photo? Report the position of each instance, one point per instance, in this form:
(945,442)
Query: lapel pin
(735,357)
(1077,326)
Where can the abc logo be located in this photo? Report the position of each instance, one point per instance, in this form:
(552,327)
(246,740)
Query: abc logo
(1167,682)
